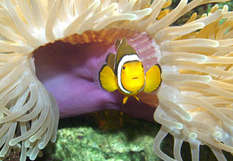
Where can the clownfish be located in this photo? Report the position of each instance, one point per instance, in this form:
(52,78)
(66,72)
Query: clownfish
(125,72)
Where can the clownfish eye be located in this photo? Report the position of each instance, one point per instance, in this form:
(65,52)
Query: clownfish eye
(142,65)
(123,68)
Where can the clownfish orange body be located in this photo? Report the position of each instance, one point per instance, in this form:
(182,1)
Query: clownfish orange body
(125,72)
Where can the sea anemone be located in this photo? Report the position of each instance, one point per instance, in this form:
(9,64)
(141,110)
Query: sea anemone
(195,100)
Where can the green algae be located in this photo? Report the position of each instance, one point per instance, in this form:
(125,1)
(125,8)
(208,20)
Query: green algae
(88,142)
(122,138)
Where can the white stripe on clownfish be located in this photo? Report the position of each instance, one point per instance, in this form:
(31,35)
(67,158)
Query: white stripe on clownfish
(125,59)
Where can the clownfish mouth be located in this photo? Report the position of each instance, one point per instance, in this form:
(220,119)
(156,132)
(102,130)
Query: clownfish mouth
(135,78)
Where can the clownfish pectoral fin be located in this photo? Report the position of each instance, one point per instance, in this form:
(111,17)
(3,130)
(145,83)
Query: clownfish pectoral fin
(111,60)
(153,79)
(108,79)
(125,99)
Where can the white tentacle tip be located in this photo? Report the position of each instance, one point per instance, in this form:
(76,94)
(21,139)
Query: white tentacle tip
(41,146)
(32,157)
(225,9)
(53,140)
(193,135)
(179,126)
(12,142)
(218,136)
(188,117)
(32,139)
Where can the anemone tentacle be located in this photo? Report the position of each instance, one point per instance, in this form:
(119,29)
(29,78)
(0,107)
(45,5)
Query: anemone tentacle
(196,69)
(24,103)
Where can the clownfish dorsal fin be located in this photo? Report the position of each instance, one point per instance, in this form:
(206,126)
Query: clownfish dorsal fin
(117,44)
(121,42)
(111,60)
(123,48)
